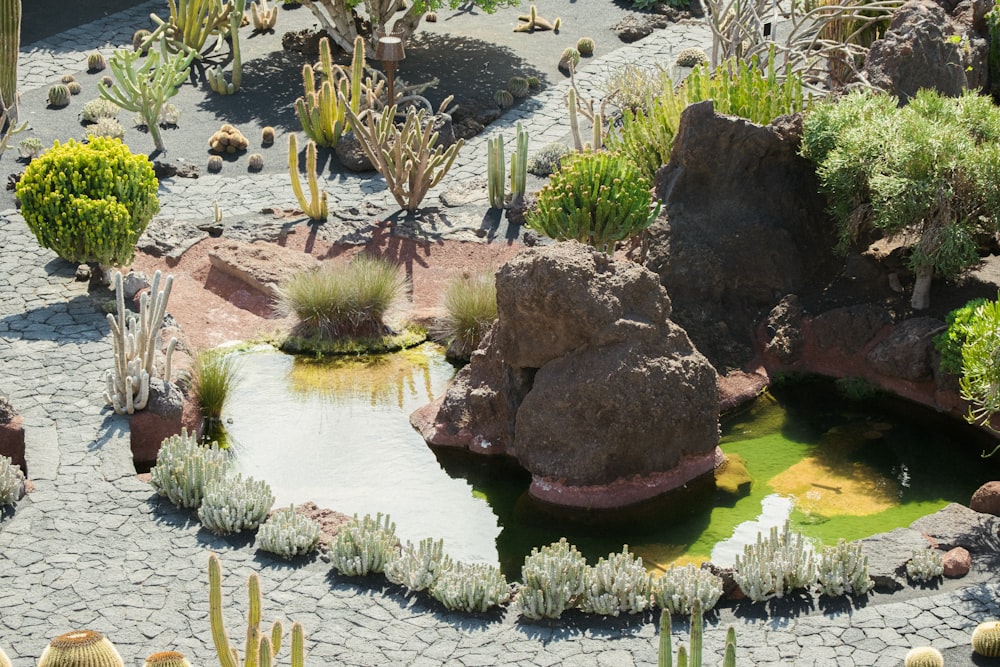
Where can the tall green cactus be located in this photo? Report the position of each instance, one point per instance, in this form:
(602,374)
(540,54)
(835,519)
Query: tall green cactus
(321,109)
(691,657)
(495,171)
(316,206)
(260,648)
(519,168)
(10,43)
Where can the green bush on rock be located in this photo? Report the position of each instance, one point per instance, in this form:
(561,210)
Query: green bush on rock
(89,202)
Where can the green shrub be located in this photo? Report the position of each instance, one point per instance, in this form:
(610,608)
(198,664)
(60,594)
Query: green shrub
(89,202)
(741,89)
(597,198)
(470,303)
(949,343)
(980,381)
(347,300)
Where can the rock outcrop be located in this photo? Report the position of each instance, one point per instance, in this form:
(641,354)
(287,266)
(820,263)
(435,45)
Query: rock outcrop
(585,380)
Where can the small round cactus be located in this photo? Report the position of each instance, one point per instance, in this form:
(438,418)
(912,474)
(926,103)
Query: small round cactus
(691,57)
(503,99)
(74,87)
(431,17)
(533,82)
(138,38)
(58,95)
(227,140)
(986,639)
(214,164)
(585,45)
(107,81)
(166,659)
(80,647)
(570,58)
(67,78)
(267,136)
(255,162)
(924,656)
(518,86)
(96,62)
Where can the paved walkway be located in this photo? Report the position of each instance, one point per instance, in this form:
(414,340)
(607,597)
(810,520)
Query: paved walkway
(93,547)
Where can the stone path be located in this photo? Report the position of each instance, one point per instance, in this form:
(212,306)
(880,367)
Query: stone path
(93,547)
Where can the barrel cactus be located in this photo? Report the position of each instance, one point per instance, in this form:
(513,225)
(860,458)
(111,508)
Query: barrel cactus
(598,198)
(986,639)
(58,95)
(585,45)
(504,99)
(924,656)
(214,164)
(691,57)
(518,86)
(267,136)
(255,162)
(67,78)
(96,62)
(74,87)
(138,37)
(89,202)
(80,647)
(570,59)
(166,659)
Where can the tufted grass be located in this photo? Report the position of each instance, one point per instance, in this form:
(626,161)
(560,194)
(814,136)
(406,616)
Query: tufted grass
(470,303)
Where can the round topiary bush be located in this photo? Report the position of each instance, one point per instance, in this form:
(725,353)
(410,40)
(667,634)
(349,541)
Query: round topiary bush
(89,202)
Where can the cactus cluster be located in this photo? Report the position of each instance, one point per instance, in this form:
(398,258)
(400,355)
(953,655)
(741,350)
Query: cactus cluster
(431,17)
(288,534)
(775,565)
(89,202)
(691,57)
(106,127)
(58,95)
(255,162)
(233,504)
(470,587)
(184,468)
(924,565)
(417,567)
(96,62)
(923,656)
(597,198)
(30,148)
(80,647)
(322,110)
(843,570)
(98,108)
(585,46)
(11,482)
(227,140)
(553,579)
(678,587)
(263,16)
(531,22)
(364,546)
(495,168)
(214,164)
(617,584)
(691,656)
(986,639)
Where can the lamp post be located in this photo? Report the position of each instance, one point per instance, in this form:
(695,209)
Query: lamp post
(389,49)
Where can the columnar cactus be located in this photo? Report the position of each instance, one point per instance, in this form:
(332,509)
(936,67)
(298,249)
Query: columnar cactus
(923,656)
(775,565)
(615,585)
(495,171)
(136,340)
(554,579)
(80,647)
(843,569)
(10,43)
(263,15)
(316,205)
(676,589)
(260,647)
(692,657)
(986,639)
(321,110)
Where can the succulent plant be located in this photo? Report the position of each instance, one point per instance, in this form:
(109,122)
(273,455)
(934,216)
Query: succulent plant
(617,584)
(99,108)
(503,98)
(417,568)
(923,656)
(267,136)
(30,148)
(470,587)
(58,95)
(665,657)
(364,546)
(843,569)
(255,162)
(547,160)
(96,62)
(924,565)
(531,22)
(534,82)
(288,533)
(80,647)
(691,57)
(67,78)
(315,206)
(166,659)
(138,38)
(107,81)
(184,468)
(585,45)
(554,577)
(106,127)
(11,482)
(234,504)
(74,87)
(569,59)
(986,639)
(228,140)
(214,164)
(678,587)
(263,16)
(431,17)
(774,565)
(518,86)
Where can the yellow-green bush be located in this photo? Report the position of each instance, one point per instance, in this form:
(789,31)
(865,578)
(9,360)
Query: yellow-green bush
(89,202)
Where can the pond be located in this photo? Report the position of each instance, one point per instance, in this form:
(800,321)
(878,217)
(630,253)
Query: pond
(338,433)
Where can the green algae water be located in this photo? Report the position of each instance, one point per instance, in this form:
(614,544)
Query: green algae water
(338,433)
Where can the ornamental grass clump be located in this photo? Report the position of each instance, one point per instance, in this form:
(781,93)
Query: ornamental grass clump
(346,300)
(470,587)
(678,587)
(234,504)
(470,303)
(418,567)
(213,376)
(554,578)
(89,202)
(364,546)
(184,468)
(597,198)
(288,534)
(775,565)
(843,570)
(617,584)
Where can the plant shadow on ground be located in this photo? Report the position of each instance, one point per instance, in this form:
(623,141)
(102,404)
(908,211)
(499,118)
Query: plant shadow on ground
(778,612)
(39,329)
(575,623)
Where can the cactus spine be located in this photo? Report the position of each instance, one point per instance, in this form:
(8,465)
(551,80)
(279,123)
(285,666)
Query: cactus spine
(80,647)
(316,206)
(495,171)
(986,639)
(10,43)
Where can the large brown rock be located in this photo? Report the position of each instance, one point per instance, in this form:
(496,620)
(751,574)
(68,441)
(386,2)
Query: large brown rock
(261,266)
(986,499)
(907,352)
(586,381)
(744,226)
